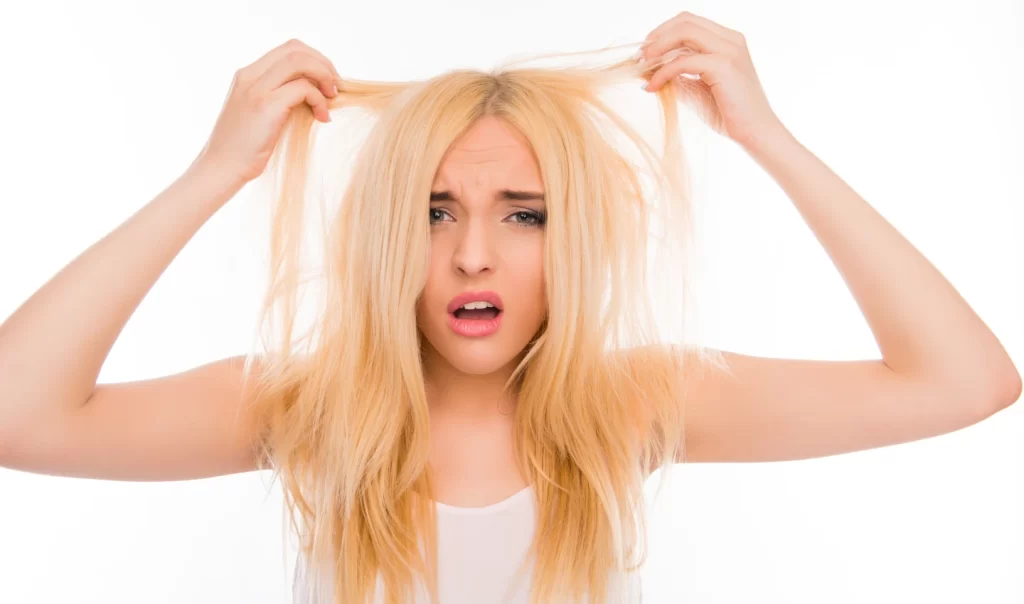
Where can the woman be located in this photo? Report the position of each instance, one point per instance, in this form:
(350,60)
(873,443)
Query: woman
(474,412)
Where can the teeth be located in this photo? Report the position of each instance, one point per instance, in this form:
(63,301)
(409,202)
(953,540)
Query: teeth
(477,305)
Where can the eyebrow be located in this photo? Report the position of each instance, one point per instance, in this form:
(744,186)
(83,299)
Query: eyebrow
(504,194)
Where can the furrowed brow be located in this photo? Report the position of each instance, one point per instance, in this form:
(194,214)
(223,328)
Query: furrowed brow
(504,194)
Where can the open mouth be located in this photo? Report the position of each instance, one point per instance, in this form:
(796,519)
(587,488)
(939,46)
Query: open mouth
(476,314)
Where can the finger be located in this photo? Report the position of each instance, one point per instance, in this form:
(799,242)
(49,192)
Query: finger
(322,57)
(708,24)
(660,30)
(656,63)
(296,64)
(261,65)
(292,93)
(696,64)
(690,35)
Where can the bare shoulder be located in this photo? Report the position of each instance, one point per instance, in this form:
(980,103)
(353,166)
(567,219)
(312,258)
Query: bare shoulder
(658,377)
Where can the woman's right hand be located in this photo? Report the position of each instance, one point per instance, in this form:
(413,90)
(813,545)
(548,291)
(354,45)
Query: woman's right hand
(259,102)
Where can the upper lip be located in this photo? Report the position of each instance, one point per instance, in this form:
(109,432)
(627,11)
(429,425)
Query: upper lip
(479,296)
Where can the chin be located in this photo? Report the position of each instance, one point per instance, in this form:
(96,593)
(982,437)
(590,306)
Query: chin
(477,357)
(498,352)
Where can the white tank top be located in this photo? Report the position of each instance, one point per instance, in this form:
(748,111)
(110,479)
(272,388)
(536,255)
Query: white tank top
(480,551)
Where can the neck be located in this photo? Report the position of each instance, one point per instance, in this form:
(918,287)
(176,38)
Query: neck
(454,394)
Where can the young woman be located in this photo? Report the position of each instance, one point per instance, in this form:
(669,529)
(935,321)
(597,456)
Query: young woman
(473,413)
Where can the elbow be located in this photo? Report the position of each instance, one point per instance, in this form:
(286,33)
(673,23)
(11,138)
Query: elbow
(5,451)
(1003,392)
(1013,389)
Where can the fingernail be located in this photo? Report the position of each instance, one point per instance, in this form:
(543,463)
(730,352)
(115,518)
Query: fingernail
(335,90)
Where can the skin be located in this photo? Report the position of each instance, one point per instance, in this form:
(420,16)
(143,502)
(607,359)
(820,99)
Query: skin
(481,241)
(929,381)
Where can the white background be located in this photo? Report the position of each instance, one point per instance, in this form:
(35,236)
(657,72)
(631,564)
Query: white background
(915,104)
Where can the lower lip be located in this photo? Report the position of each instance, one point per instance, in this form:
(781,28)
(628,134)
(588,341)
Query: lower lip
(474,328)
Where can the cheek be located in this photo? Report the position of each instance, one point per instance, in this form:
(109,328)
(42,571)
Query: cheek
(527,280)
(435,287)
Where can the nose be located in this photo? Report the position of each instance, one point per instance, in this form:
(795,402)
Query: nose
(473,253)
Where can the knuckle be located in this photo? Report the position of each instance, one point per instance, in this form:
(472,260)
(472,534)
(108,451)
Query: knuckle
(259,107)
(242,79)
(260,102)
(293,58)
(308,90)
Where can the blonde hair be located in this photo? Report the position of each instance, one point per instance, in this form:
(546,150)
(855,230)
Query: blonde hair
(600,395)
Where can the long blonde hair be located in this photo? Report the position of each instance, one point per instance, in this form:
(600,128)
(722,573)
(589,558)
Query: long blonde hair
(600,394)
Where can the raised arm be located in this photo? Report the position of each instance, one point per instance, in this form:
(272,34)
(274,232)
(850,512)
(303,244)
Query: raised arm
(941,368)
(54,418)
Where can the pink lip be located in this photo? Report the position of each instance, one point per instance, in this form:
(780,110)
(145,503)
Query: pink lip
(474,328)
(483,296)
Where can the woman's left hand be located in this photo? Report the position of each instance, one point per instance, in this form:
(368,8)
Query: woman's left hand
(721,59)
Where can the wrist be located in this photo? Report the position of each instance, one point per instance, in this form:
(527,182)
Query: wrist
(766,138)
(218,181)
(217,174)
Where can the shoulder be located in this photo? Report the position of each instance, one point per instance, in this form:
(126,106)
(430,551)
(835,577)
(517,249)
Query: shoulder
(669,384)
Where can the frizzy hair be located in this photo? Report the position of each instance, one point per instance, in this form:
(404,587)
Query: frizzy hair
(342,408)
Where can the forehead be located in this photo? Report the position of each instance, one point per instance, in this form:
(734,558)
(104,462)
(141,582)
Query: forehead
(490,150)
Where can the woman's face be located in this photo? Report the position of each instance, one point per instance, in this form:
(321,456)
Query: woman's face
(486,235)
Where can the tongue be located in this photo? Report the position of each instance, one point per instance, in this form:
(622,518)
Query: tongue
(477,313)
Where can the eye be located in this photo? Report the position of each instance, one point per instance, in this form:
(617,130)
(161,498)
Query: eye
(529,218)
(435,212)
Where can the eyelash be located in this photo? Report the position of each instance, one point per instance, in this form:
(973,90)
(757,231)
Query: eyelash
(538,218)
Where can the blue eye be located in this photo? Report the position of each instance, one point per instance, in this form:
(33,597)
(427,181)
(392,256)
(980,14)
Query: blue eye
(526,218)
(435,211)
(530,218)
